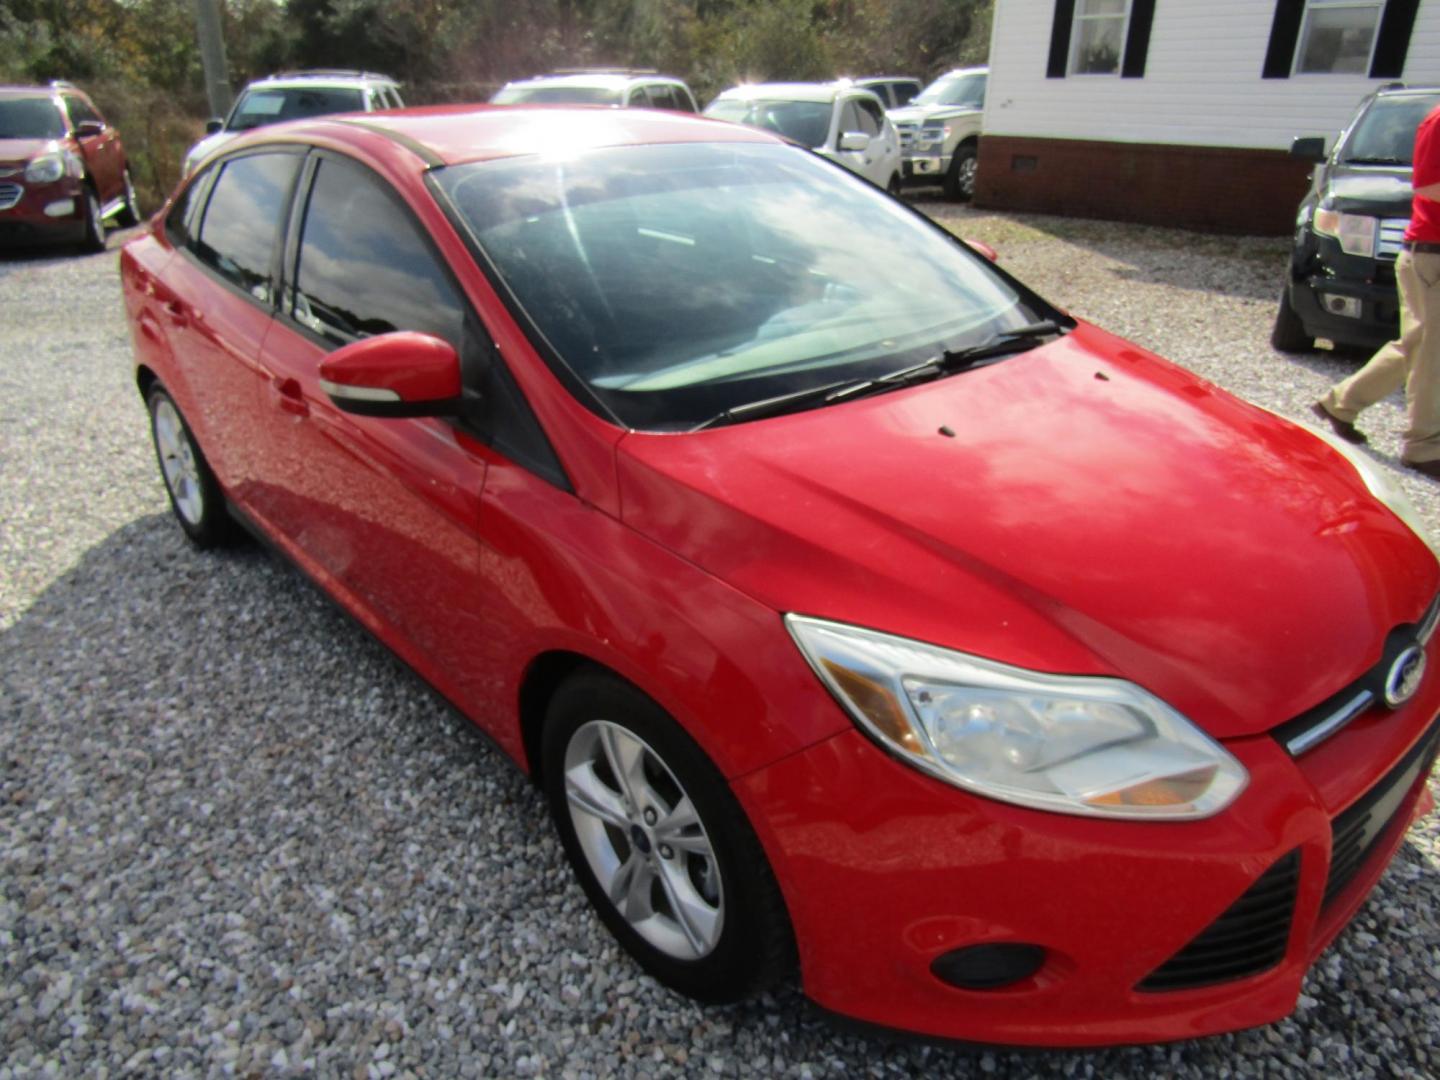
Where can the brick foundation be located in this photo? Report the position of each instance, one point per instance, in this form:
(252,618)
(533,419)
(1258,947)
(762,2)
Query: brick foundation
(1209,188)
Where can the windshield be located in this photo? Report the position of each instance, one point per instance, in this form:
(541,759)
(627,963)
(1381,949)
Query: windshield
(807,122)
(257,108)
(678,281)
(30,118)
(960,90)
(1385,135)
(556,95)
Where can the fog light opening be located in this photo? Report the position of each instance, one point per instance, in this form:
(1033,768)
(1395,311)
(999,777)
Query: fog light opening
(60,208)
(1341,305)
(988,967)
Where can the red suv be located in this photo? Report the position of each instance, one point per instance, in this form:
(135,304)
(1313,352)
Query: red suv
(857,610)
(63,170)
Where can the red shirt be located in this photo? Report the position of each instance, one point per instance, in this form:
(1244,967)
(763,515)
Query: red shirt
(1425,213)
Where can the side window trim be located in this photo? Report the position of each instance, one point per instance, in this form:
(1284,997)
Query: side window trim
(197,217)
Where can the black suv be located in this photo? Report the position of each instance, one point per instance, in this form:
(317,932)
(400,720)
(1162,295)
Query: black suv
(1341,284)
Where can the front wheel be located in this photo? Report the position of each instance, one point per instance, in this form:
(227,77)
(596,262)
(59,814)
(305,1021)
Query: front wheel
(130,205)
(893,187)
(960,177)
(194,492)
(659,843)
(94,237)
(1288,333)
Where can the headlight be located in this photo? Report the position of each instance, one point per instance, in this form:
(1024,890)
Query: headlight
(1382,485)
(45,169)
(1070,744)
(1356,232)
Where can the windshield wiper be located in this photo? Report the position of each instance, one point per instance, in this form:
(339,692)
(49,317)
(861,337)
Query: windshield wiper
(948,361)
(1375,161)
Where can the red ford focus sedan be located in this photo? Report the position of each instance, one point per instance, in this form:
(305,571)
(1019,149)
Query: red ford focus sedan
(862,615)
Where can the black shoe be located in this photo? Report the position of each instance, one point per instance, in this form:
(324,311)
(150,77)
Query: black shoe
(1344,428)
(1429,468)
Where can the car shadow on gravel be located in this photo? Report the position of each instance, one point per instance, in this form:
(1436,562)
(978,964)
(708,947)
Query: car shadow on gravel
(234,830)
(41,255)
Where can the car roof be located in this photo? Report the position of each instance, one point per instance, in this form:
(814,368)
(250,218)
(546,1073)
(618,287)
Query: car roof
(1401,91)
(454,134)
(980,70)
(292,80)
(780,91)
(610,80)
(39,91)
(862,80)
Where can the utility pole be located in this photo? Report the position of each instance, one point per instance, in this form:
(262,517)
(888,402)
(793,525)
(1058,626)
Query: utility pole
(212,55)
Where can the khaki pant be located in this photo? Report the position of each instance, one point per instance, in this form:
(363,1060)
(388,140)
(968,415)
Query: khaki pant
(1412,362)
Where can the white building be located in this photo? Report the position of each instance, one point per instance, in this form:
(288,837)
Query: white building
(1183,111)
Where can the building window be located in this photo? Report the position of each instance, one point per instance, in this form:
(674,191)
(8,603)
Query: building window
(1337,37)
(1098,37)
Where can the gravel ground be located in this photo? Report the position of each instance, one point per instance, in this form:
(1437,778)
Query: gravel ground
(237,837)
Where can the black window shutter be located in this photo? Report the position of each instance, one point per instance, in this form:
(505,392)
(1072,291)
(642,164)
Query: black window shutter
(1284,32)
(1393,41)
(1060,39)
(1137,40)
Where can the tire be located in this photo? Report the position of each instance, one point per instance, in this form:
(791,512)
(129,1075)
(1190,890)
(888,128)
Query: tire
(195,495)
(94,238)
(130,209)
(1288,334)
(893,187)
(960,176)
(698,906)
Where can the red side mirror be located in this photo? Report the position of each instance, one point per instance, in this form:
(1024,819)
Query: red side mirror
(983,249)
(396,375)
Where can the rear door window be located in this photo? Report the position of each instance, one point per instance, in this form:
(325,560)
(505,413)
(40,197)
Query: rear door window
(240,228)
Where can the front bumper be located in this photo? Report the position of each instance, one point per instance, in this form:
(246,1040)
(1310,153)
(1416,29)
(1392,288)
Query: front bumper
(41,213)
(1321,272)
(926,166)
(885,870)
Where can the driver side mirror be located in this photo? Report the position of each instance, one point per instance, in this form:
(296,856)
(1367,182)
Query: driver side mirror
(855,141)
(1311,148)
(214,125)
(398,375)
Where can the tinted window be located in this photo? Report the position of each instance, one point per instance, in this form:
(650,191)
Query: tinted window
(663,97)
(238,233)
(259,107)
(904,92)
(180,222)
(30,118)
(678,281)
(556,95)
(364,267)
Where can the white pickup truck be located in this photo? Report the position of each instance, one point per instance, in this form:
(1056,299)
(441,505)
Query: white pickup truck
(940,131)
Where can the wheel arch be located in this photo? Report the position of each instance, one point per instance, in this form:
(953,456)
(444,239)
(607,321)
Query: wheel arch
(543,676)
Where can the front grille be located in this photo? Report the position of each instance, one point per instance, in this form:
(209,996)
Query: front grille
(1314,726)
(10,193)
(1392,231)
(1250,937)
(906,130)
(1355,833)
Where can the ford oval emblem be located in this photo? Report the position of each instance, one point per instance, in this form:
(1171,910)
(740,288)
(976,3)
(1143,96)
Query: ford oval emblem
(1404,677)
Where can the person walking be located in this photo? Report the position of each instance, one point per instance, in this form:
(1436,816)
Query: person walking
(1412,360)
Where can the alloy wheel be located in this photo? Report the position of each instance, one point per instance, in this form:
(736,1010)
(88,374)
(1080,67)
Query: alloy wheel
(178,462)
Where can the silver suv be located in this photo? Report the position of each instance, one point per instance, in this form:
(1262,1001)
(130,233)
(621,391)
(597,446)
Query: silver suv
(295,95)
(618,88)
(940,131)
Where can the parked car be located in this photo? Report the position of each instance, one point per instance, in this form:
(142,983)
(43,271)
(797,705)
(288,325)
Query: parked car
(296,95)
(63,169)
(892,90)
(621,89)
(940,131)
(837,120)
(854,607)
(1341,281)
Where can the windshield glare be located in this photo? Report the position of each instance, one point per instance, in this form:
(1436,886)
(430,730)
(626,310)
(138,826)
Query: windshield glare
(958,90)
(1386,133)
(260,107)
(30,118)
(807,122)
(678,281)
(556,95)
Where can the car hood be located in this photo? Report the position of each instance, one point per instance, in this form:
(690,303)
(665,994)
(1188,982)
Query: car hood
(1369,189)
(918,114)
(15,152)
(1096,510)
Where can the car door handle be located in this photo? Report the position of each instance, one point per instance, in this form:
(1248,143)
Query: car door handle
(176,311)
(289,396)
